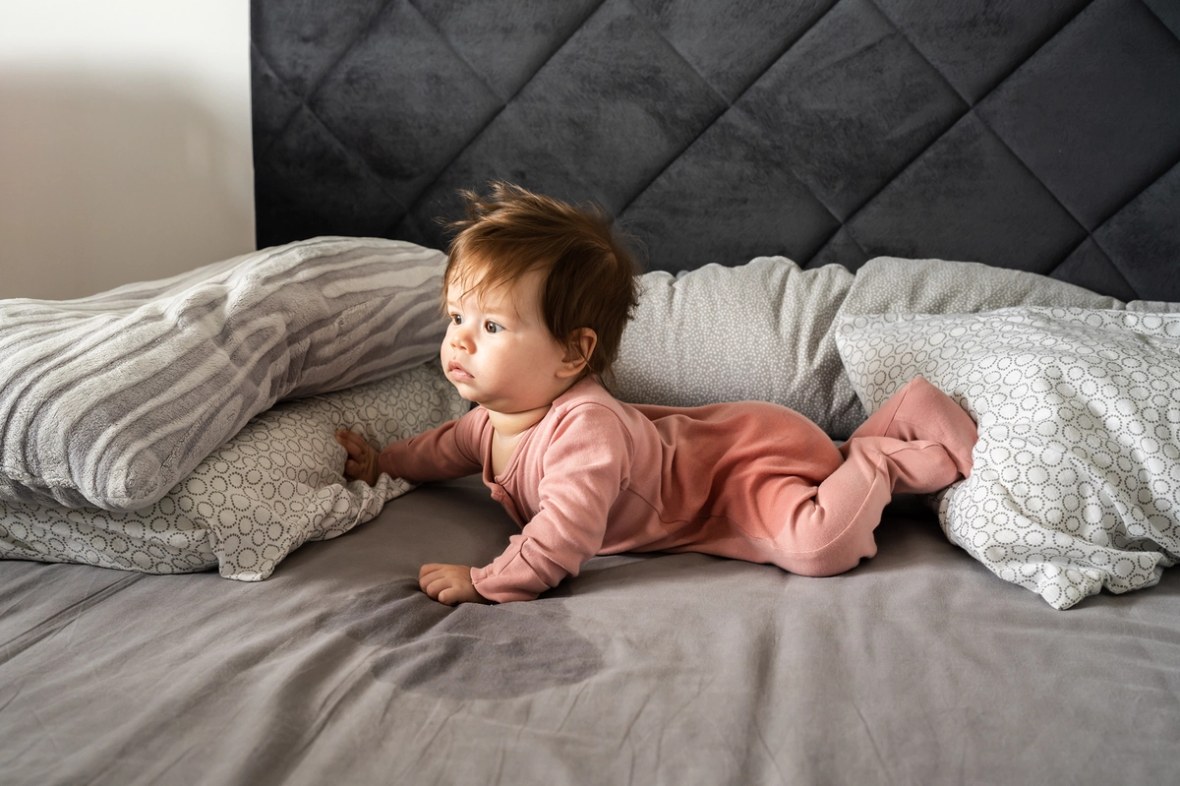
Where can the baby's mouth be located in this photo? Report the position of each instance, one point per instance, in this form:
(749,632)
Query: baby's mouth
(456,372)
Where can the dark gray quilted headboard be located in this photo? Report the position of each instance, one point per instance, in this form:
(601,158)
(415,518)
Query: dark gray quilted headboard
(1041,135)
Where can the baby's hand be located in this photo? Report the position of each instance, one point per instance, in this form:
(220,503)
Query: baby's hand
(449,584)
(361,463)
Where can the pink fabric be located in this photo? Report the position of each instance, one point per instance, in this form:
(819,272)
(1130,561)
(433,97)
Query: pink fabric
(748,480)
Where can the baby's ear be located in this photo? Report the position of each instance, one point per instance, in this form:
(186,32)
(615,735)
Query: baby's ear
(579,348)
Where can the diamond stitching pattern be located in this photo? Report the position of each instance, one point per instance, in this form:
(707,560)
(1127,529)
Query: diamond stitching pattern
(629,103)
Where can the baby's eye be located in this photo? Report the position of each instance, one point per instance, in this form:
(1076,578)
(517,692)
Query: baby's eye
(455,319)
(491,327)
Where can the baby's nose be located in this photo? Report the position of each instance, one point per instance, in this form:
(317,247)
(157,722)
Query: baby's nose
(460,336)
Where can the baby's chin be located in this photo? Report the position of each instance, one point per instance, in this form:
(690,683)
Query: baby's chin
(464,392)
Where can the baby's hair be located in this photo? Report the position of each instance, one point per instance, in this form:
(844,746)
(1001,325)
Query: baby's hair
(590,275)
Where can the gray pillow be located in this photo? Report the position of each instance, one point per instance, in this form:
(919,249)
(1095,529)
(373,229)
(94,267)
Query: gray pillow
(273,486)
(759,331)
(890,285)
(764,330)
(110,400)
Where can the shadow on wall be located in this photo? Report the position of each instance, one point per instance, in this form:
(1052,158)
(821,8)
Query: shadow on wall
(107,181)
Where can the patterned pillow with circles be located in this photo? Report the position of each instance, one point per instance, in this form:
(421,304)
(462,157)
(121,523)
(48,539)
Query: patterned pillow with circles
(274,486)
(1076,484)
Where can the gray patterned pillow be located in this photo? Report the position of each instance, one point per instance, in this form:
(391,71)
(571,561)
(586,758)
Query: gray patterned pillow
(108,401)
(759,331)
(273,486)
(1076,484)
(764,330)
(891,285)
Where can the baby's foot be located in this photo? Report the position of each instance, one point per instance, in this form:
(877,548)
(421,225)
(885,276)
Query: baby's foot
(926,413)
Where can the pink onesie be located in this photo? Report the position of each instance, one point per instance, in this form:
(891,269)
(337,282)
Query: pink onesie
(748,480)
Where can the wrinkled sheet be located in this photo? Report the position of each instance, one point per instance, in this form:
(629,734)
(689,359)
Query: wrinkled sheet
(917,667)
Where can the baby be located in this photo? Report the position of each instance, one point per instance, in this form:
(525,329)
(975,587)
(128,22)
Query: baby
(537,293)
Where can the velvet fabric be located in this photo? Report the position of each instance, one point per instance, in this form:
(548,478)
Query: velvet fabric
(1039,136)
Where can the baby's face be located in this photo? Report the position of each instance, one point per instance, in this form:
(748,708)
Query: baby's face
(498,351)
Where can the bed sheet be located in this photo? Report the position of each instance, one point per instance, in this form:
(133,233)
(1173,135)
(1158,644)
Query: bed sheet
(917,667)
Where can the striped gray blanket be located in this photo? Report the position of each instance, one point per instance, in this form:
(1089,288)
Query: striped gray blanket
(110,400)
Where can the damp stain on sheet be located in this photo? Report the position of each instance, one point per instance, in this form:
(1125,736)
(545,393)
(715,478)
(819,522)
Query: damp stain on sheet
(469,651)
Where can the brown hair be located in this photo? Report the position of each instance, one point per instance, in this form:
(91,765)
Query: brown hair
(590,276)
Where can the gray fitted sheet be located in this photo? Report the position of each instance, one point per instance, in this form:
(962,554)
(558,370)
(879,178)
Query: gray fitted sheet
(917,667)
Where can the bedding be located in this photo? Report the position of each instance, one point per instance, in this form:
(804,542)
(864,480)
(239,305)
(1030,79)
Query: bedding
(766,329)
(761,330)
(274,485)
(956,159)
(1076,484)
(918,667)
(109,401)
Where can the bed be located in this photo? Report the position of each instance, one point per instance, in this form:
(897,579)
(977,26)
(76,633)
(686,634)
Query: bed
(829,196)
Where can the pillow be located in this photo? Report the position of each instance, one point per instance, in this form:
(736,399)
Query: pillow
(108,401)
(1076,484)
(758,331)
(764,330)
(889,285)
(1156,306)
(273,486)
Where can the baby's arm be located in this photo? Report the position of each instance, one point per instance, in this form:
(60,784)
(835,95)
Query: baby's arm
(361,463)
(449,584)
(585,466)
(448,451)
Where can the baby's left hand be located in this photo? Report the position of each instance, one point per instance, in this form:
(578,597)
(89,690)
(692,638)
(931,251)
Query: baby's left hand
(449,584)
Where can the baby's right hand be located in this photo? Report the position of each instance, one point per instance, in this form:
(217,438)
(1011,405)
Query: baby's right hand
(361,463)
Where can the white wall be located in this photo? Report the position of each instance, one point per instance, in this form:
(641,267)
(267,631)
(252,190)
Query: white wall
(124,141)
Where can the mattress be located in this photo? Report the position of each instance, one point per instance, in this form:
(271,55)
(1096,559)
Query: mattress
(918,667)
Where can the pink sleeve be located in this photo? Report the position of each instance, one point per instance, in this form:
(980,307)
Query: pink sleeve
(450,451)
(585,466)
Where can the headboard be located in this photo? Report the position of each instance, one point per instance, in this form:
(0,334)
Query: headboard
(1043,136)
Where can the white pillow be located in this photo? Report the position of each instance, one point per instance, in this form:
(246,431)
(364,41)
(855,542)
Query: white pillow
(274,486)
(759,331)
(108,401)
(1076,484)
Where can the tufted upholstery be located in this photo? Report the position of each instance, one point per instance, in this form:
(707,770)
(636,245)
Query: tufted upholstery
(1043,136)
